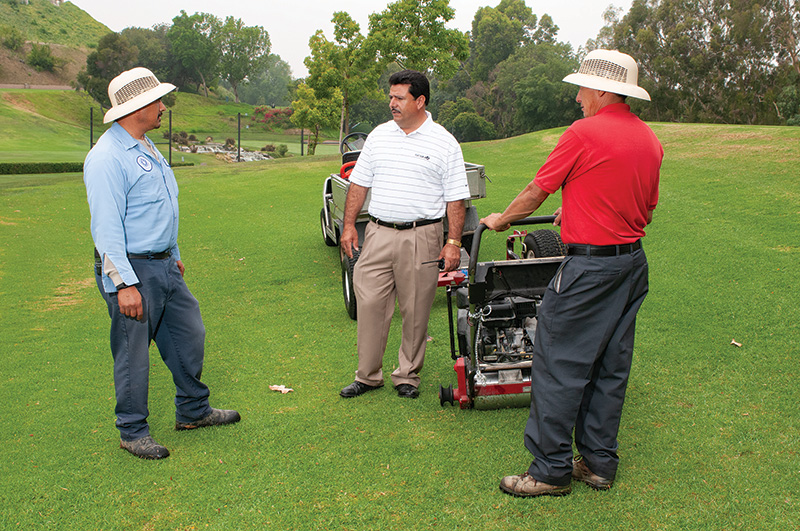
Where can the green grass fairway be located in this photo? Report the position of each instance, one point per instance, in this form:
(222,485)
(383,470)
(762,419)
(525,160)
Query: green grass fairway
(710,434)
(53,126)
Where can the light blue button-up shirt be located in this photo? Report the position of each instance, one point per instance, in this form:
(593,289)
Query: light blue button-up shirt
(133,200)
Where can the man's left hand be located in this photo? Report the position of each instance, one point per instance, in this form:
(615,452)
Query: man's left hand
(180,266)
(452,257)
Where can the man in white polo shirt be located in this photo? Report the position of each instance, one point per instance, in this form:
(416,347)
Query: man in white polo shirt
(415,170)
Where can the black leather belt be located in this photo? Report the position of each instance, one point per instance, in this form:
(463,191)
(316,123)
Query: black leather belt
(406,225)
(151,256)
(603,250)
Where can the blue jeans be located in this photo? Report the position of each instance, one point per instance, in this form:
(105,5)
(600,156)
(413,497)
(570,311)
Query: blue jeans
(171,318)
(582,357)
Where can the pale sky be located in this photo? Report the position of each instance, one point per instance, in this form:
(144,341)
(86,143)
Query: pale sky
(291,23)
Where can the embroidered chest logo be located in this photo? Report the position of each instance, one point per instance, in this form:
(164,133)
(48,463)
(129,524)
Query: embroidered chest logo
(426,157)
(144,162)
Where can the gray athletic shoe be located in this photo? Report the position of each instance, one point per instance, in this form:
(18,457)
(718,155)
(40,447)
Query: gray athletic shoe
(145,447)
(217,417)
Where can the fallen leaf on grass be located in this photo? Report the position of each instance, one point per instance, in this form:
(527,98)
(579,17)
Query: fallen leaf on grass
(282,388)
(733,342)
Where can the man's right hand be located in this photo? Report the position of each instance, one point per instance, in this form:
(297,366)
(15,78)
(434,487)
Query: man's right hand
(130,303)
(349,240)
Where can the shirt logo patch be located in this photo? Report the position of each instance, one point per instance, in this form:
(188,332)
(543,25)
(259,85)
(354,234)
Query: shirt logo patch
(426,157)
(143,161)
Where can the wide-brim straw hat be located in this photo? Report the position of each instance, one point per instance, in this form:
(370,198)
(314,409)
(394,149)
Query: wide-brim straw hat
(609,71)
(132,90)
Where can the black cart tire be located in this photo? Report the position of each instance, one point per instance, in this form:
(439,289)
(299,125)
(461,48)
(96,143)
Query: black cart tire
(543,243)
(328,241)
(348,290)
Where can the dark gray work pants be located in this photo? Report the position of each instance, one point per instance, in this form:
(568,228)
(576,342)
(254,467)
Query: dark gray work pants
(581,362)
(172,319)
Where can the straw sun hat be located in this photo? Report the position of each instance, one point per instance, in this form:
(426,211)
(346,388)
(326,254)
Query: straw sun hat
(609,71)
(132,90)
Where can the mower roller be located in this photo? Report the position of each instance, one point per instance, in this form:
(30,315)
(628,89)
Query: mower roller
(492,332)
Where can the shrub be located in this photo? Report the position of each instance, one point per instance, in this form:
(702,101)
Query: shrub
(282,150)
(41,58)
(17,168)
(11,37)
(469,127)
(270,148)
(272,118)
(230,143)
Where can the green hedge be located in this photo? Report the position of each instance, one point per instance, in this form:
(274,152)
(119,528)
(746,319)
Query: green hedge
(24,168)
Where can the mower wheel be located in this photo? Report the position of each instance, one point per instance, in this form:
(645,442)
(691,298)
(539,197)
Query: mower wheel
(446,395)
(328,241)
(348,265)
(543,243)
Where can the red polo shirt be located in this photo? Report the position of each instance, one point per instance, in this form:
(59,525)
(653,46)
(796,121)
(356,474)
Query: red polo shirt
(608,169)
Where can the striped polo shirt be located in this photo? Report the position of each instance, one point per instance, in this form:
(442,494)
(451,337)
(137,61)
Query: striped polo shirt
(412,176)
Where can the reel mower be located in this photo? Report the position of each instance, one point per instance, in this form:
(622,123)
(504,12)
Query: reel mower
(492,332)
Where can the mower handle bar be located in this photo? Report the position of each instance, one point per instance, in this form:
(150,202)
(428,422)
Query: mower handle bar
(476,238)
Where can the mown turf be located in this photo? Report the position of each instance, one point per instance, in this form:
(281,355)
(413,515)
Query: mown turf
(709,436)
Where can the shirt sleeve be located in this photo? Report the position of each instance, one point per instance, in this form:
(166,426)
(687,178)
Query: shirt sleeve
(456,186)
(106,194)
(561,161)
(363,173)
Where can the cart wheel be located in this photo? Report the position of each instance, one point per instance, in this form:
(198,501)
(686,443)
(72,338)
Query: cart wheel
(543,243)
(328,241)
(446,395)
(348,265)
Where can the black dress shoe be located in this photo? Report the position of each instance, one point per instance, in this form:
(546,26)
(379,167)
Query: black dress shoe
(407,391)
(357,388)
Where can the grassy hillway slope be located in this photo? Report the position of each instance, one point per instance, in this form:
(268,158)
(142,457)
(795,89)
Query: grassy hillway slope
(709,437)
(41,21)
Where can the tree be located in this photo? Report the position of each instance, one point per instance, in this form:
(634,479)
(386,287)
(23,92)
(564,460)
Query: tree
(114,55)
(153,46)
(412,33)
(711,60)
(526,92)
(193,49)
(244,50)
(314,113)
(497,33)
(270,85)
(344,64)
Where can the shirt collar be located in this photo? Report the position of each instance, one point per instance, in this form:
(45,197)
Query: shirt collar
(124,137)
(422,129)
(615,107)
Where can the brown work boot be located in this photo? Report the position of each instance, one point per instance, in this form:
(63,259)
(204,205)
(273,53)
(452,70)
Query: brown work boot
(145,448)
(581,472)
(525,486)
(217,417)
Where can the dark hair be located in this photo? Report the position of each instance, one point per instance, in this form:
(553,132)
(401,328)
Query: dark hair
(417,80)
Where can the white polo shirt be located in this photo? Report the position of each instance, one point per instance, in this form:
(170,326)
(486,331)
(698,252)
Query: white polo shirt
(412,176)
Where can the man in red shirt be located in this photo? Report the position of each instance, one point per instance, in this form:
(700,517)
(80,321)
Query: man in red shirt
(607,167)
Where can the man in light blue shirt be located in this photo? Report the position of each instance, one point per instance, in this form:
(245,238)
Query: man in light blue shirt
(133,199)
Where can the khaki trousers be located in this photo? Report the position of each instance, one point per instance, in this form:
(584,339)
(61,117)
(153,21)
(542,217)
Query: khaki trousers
(390,267)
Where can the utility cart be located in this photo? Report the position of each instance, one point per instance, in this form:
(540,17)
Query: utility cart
(334,195)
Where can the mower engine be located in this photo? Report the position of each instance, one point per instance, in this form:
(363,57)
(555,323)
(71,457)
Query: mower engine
(496,321)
